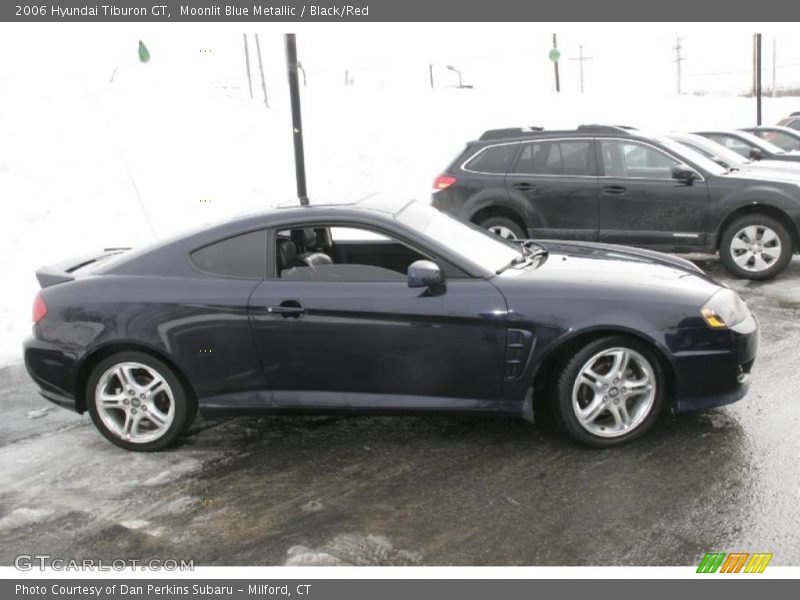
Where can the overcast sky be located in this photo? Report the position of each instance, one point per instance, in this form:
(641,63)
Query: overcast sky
(625,57)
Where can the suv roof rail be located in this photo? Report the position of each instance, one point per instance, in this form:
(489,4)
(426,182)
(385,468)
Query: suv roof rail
(493,134)
(604,128)
(795,114)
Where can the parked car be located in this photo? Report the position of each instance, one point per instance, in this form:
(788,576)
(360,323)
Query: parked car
(748,145)
(383,307)
(792,121)
(617,185)
(785,138)
(732,160)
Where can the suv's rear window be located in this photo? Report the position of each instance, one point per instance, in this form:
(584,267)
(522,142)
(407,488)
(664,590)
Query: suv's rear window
(494,159)
(240,256)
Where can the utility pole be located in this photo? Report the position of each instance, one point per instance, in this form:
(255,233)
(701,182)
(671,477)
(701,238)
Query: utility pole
(774,68)
(430,72)
(678,60)
(757,65)
(555,61)
(247,64)
(297,121)
(261,69)
(580,60)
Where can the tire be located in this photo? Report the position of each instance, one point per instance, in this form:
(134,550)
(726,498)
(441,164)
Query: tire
(131,416)
(755,258)
(504,227)
(599,427)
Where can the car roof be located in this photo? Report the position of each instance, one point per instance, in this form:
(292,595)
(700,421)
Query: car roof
(514,134)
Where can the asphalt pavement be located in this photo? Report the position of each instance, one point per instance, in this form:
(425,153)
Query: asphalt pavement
(432,490)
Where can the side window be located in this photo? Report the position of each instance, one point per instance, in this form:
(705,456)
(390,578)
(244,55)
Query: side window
(555,158)
(352,234)
(342,254)
(239,256)
(632,159)
(494,159)
(732,143)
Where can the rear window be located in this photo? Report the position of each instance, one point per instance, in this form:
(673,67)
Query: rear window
(240,256)
(494,159)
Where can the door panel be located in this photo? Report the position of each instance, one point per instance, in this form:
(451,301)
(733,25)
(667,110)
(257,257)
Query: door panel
(381,337)
(641,204)
(557,180)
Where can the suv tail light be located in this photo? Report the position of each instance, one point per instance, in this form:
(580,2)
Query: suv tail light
(39,308)
(442,182)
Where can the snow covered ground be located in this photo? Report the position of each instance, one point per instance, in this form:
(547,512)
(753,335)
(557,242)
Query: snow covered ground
(87,162)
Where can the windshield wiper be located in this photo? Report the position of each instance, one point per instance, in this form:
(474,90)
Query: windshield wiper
(528,255)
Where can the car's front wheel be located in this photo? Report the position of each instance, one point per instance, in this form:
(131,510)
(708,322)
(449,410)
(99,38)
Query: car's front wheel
(755,247)
(609,392)
(137,402)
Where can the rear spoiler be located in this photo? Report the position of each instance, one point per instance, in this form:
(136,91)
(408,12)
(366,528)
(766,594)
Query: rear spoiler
(62,271)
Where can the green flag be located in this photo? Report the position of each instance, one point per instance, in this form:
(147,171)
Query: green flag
(144,53)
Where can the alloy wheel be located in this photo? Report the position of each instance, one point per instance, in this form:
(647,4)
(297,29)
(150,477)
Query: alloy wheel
(503,232)
(135,402)
(614,392)
(755,248)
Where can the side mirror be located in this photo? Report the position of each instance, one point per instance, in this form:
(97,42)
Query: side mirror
(756,153)
(684,173)
(427,274)
(720,162)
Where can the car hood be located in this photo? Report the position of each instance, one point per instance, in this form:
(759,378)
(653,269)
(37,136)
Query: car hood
(768,174)
(615,268)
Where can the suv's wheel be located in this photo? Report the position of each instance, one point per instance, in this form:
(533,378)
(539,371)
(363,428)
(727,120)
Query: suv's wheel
(504,227)
(755,247)
(137,402)
(609,392)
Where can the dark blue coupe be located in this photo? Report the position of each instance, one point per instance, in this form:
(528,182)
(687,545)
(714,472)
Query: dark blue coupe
(387,307)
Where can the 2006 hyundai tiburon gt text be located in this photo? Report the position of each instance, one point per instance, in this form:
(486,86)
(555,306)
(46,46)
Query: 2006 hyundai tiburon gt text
(382,306)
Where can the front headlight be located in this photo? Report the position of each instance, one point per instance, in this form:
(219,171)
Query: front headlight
(724,309)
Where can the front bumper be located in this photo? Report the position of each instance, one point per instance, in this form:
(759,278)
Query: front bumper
(716,369)
(52,369)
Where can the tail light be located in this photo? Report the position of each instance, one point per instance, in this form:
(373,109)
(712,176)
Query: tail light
(442,182)
(39,308)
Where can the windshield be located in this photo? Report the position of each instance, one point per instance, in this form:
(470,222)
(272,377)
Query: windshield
(693,156)
(703,145)
(479,246)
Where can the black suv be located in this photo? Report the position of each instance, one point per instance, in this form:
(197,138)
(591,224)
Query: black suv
(616,185)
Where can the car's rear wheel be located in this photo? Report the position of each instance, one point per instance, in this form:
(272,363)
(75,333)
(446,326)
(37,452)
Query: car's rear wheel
(755,247)
(609,392)
(137,402)
(504,227)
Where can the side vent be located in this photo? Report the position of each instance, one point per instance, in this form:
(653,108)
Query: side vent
(517,352)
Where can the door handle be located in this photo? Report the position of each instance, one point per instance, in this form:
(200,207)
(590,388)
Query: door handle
(614,189)
(524,187)
(287,309)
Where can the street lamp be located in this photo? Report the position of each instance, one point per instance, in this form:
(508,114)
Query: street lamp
(457,72)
